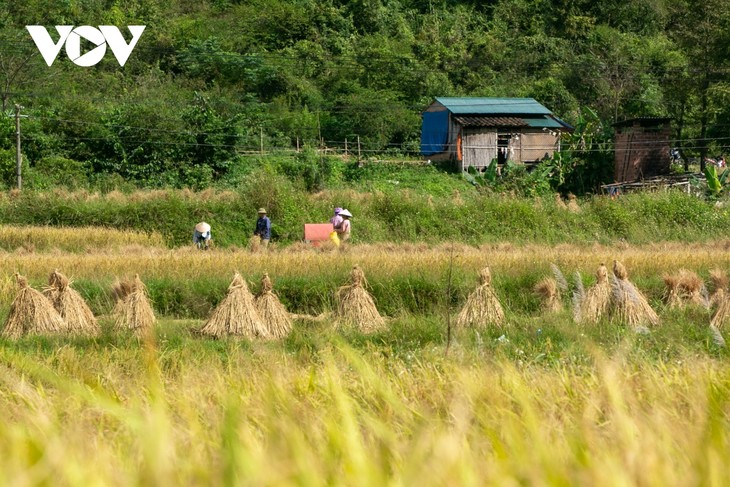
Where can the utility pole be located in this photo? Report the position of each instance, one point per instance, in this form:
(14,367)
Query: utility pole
(18,160)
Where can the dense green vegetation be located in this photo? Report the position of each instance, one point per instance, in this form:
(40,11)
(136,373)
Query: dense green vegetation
(213,81)
(385,215)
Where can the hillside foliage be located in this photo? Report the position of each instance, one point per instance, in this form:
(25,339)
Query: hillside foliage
(213,81)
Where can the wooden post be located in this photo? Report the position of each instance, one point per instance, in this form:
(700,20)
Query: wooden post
(359,155)
(261,140)
(18,157)
(297,143)
(345,146)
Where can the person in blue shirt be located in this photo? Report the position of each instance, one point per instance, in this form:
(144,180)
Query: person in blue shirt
(201,236)
(263,228)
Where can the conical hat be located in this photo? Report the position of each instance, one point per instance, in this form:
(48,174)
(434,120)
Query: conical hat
(202,227)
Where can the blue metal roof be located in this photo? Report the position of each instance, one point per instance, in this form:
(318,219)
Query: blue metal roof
(493,106)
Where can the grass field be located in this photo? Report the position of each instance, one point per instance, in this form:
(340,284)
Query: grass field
(540,402)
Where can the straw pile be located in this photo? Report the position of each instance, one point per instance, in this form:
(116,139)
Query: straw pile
(236,315)
(272,312)
(31,313)
(549,293)
(133,310)
(685,287)
(482,307)
(355,306)
(71,306)
(632,307)
(573,203)
(559,202)
(596,301)
(719,285)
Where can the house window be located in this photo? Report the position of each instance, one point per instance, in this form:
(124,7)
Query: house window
(503,139)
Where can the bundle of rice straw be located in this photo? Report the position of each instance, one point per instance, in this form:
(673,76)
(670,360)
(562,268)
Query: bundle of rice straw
(559,201)
(133,310)
(671,293)
(71,306)
(355,306)
(31,313)
(692,289)
(594,303)
(549,292)
(719,284)
(573,203)
(482,307)
(272,312)
(236,315)
(632,307)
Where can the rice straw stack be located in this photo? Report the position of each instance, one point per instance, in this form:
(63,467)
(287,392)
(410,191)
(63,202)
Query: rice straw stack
(31,313)
(482,307)
(71,306)
(573,204)
(273,314)
(236,315)
(355,306)
(134,311)
(692,289)
(632,307)
(719,285)
(596,301)
(548,291)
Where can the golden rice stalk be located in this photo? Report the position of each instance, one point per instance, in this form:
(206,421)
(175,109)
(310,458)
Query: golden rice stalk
(549,292)
(273,314)
(482,307)
(355,306)
(597,301)
(236,315)
(134,311)
(71,306)
(630,304)
(31,313)
(719,285)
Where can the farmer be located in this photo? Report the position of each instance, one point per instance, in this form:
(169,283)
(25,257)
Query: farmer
(263,228)
(336,220)
(344,231)
(201,236)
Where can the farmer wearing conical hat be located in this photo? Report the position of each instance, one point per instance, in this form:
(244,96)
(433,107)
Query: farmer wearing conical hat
(201,236)
(263,228)
(343,232)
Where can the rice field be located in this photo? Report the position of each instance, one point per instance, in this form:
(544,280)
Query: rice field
(540,401)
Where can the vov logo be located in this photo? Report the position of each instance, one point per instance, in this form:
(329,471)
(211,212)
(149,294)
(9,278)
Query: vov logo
(71,37)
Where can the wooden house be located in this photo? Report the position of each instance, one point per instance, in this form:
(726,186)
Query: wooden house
(642,148)
(474,131)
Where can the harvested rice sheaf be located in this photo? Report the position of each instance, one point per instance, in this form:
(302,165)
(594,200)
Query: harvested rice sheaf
(482,307)
(134,311)
(31,313)
(236,315)
(632,307)
(276,319)
(549,293)
(71,306)
(596,301)
(355,306)
(719,285)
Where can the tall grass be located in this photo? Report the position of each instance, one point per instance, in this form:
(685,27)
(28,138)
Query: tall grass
(410,215)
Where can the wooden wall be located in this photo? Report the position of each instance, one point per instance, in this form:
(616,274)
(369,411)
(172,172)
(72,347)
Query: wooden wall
(641,152)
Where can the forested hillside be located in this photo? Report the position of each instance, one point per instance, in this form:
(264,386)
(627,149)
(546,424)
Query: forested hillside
(214,81)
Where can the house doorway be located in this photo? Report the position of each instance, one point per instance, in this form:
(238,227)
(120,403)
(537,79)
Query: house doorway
(503,140)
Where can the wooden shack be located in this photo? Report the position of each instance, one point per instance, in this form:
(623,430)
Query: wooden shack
(642,148)
(475,131)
